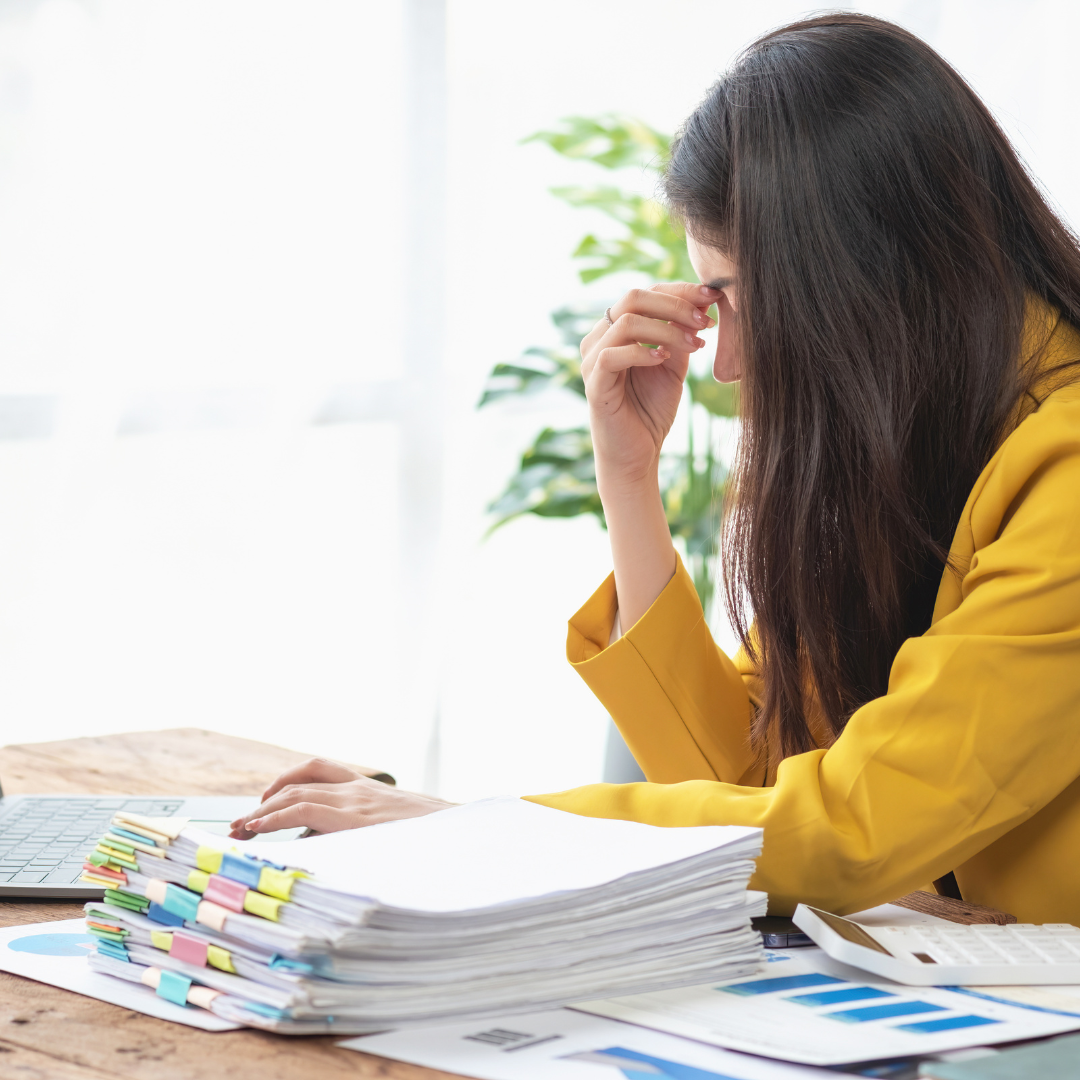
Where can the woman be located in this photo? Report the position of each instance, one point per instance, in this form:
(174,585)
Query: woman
(902,309)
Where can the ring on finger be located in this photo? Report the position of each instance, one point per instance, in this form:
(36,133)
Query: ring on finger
(607,315)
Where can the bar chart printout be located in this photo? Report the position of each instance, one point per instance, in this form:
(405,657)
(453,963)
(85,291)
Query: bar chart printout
(807,1008)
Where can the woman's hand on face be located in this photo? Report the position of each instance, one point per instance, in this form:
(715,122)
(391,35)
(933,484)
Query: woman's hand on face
(328,797)
(633,390)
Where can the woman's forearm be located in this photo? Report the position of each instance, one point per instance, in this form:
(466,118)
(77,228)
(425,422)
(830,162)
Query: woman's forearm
(641,546)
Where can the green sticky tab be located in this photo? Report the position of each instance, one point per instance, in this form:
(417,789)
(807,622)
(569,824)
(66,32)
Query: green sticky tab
(108,935)
(208,860)
(126,900)
(114,842)
(116,857)
(197,880)
(174,987)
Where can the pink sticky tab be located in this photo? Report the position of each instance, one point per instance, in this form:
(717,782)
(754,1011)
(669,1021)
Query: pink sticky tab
(189,949)
(229,894)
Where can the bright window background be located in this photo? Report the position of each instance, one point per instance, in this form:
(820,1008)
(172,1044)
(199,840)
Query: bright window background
(202,272)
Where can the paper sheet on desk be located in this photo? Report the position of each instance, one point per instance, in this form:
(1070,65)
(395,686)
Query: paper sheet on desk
(55,953)
(563,1045)
(808,1008)
(488,852)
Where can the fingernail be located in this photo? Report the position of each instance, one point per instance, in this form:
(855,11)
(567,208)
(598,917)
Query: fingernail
(253,824)
(699,343)
(690,339)
(699,318)
(709,322)
(662,353)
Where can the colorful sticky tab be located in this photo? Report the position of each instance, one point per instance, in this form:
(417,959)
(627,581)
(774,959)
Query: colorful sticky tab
(161,939)
(202,996)
(265,1010)
(283,963)
(114,842)
(197,880)
(241,868)
(213,915)
(104,871)
(100,881)
(275,882)
(220,958)
(115,856)
(181,902)
(229,894)
(155,890)
(125,900)
(159,915)
(208,859)
(167,828)
(129,835)
(174,987)
(190,949)
(106,935)
(267,907)
(117,952)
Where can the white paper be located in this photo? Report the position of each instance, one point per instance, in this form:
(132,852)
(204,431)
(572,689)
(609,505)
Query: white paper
(55,953)
(563,1045)
(484,853)
(776,1024)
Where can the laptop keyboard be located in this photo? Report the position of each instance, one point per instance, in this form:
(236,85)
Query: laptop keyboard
(46,841)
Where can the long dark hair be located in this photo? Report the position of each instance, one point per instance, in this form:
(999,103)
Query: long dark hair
(886,240)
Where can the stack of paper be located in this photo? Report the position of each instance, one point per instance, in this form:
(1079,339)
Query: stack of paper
(475,911)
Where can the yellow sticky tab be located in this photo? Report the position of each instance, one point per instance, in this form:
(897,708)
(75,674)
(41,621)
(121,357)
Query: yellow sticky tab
(208,860)
(220,958)
(197,880)
(264,906)
(276,882)
(108,883)
(161,940)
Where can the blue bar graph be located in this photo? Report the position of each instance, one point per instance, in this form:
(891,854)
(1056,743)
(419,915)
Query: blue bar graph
(791,982)
(838,997)
(947,1023)
(884,1012)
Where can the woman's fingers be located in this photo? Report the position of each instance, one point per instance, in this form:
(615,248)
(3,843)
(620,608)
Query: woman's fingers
(678,302)
(305,815)
(330,794)
(312,771)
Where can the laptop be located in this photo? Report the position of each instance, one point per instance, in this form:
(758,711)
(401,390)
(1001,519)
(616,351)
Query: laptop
(44,839)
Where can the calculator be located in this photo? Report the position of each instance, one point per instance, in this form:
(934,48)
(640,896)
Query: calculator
(949,954)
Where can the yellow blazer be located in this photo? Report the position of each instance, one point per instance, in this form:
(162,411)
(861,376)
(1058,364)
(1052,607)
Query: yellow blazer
(970,761)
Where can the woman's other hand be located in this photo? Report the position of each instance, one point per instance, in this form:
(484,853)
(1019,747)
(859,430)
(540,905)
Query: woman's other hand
(328,797)
(634,390)
(634,393)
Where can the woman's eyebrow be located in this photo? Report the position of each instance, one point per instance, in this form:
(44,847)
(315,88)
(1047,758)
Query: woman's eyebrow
(720,283)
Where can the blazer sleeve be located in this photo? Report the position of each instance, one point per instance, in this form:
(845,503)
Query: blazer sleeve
(681,705)
(976,733)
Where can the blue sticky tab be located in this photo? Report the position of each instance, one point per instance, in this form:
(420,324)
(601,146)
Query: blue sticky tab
(241,868)
(117,952)
(266,1010)
(117,831)
(174,987)
(159,915)
(283,963)
(181,902)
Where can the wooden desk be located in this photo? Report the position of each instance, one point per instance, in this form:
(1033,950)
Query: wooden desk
(46,1032)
